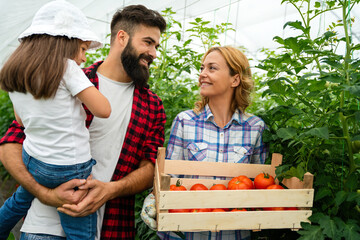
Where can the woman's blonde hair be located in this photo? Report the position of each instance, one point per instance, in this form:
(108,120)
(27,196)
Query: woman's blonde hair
(38,65)
(238,64)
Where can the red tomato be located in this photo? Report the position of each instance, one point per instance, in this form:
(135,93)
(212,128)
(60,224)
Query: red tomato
(239,210)
(275,186)
(291,208)
(177,186)
(218,210)
(198,186)
(274,209)
(262,181)
(202,210)
(218,187)
(179,210)
(240,182)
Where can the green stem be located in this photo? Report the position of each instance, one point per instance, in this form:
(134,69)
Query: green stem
(298,9)
(343,119)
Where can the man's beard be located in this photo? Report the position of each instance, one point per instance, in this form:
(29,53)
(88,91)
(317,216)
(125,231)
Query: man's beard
(138,73)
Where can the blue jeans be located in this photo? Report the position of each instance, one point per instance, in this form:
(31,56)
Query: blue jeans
(50,176)
(31,236)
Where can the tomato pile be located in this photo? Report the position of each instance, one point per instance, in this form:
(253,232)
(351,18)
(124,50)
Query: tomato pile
(242,182)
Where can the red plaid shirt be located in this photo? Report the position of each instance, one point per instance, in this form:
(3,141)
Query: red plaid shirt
(144,135)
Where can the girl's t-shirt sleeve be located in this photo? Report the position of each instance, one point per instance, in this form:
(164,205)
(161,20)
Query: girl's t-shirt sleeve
(75,79)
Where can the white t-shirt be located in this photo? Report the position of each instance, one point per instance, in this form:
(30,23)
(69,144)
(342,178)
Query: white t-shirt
(106,140)
(54,127)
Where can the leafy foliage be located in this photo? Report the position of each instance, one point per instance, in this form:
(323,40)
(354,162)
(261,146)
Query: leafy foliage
(314,117)
(6,117)
(6,112)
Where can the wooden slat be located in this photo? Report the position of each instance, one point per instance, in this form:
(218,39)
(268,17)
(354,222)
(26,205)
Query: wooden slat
(182,167)
(308,180)
(293,183)
(236,198)
(161,159)
(165,182)
(216,221)
(156,190)
(276,160)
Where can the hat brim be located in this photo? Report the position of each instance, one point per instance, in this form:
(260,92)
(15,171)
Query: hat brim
(82,34)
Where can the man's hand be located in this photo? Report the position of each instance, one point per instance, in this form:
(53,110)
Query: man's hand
(65,193)
(99,193)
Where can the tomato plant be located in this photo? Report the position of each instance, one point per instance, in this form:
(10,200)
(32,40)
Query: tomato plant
(198,186)
(263,180)
(240,182)
(309,97)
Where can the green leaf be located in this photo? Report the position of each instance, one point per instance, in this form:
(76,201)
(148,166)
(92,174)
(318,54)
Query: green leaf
(11,237)
(355,138)
(356,47)
(354,196)
(352,182)
(292,43)
(355,90)
(334,78)
(330,227)
(296,25)
(278,39)
(332,63)
(317,85)
(310,232)
(321,193)
(340,197)
(276,86)
(316,217)
(317,4)
(322,132)
(286,133)
(352,230)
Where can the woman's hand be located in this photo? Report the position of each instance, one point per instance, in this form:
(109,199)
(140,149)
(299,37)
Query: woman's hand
(148,212)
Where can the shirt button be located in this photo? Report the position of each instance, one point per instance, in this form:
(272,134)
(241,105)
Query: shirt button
(221,150)
(221,134)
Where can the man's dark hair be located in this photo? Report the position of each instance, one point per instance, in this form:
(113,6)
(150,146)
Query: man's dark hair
(132,16)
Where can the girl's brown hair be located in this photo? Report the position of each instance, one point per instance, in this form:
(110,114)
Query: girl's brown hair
(38,65)
(238,64)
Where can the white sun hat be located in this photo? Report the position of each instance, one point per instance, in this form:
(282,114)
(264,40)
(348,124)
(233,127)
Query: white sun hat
(60,18)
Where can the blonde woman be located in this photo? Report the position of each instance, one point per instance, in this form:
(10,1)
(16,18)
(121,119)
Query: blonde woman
(218,129)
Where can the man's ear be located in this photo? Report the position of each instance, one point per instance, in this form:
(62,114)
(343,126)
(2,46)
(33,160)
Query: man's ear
(122,38)
(235,81)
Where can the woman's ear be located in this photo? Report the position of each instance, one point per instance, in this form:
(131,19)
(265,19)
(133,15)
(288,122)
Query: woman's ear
(235,81)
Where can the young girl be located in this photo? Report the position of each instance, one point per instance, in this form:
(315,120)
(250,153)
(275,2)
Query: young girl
(47,87)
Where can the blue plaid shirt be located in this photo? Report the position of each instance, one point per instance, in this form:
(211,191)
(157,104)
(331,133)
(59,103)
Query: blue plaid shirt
(198,138)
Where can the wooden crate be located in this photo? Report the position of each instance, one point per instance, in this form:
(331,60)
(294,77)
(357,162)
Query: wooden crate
(299,194)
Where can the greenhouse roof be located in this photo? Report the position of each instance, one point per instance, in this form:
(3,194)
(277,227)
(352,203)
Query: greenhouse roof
(256,22)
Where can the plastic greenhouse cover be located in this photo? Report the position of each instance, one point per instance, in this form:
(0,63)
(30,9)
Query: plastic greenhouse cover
(256,22)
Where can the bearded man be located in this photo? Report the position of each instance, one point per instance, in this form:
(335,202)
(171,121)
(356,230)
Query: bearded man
(124,145)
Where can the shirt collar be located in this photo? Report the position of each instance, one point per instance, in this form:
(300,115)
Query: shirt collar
(236,117)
